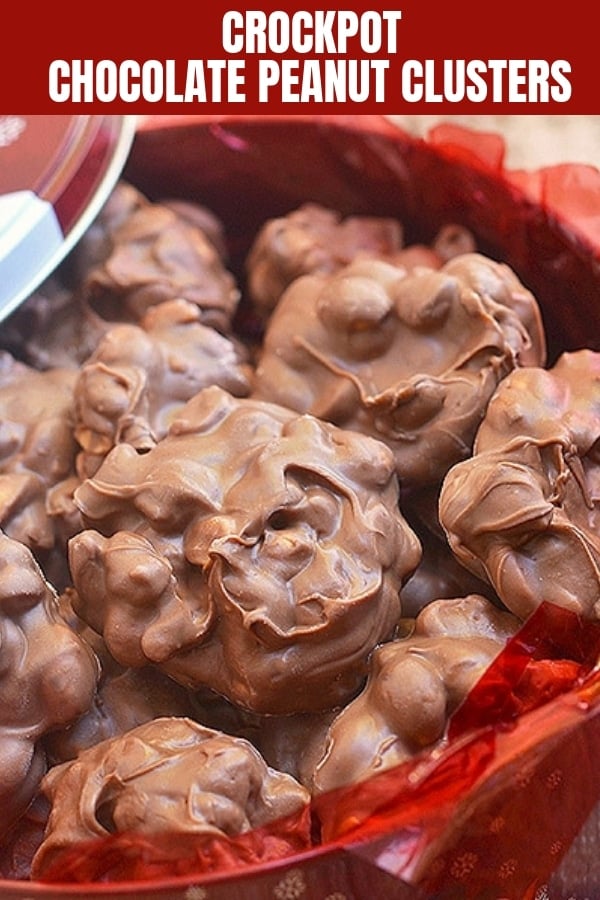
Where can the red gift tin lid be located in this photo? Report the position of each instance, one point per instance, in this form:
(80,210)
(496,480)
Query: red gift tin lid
(56,173)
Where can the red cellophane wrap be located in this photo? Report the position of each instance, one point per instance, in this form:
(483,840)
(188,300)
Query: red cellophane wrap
(498,807)
(496,811)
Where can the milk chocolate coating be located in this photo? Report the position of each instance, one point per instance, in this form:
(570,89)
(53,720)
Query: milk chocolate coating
(497,284)
(414,685)
(52,329)
(524,511)
(450,241)
(252,551)
(312,239)
(453,240)
(97,243)
(289,743)
(37,452)
(140,375)
(95,246)
(124,699)
(204,219)
(170,774)
(440,575)
(154,255)
(411,359)
(47,675)
(294,744)
(135,255)
(56,327)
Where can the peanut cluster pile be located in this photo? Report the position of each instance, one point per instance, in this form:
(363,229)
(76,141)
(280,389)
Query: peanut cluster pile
(238,573)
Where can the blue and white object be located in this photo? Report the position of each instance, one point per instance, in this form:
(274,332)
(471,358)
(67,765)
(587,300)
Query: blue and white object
(31,245)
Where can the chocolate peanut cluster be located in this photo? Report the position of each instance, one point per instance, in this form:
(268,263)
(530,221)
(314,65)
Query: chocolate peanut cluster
(136,255)
(415,683)
(238,575)
(523,511)
(314,239)
(37,460)
(146,253)
(411,359)
(168,774)
(253,551)
(140,375)
(48,676)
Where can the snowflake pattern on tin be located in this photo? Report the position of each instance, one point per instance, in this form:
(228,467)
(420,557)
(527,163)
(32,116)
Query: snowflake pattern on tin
(507,869)
(463,865)
(195,892)
(524,777)
(291,887)
(554,779)
(497,825)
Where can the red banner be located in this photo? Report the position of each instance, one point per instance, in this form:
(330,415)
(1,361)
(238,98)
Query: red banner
(419,57)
